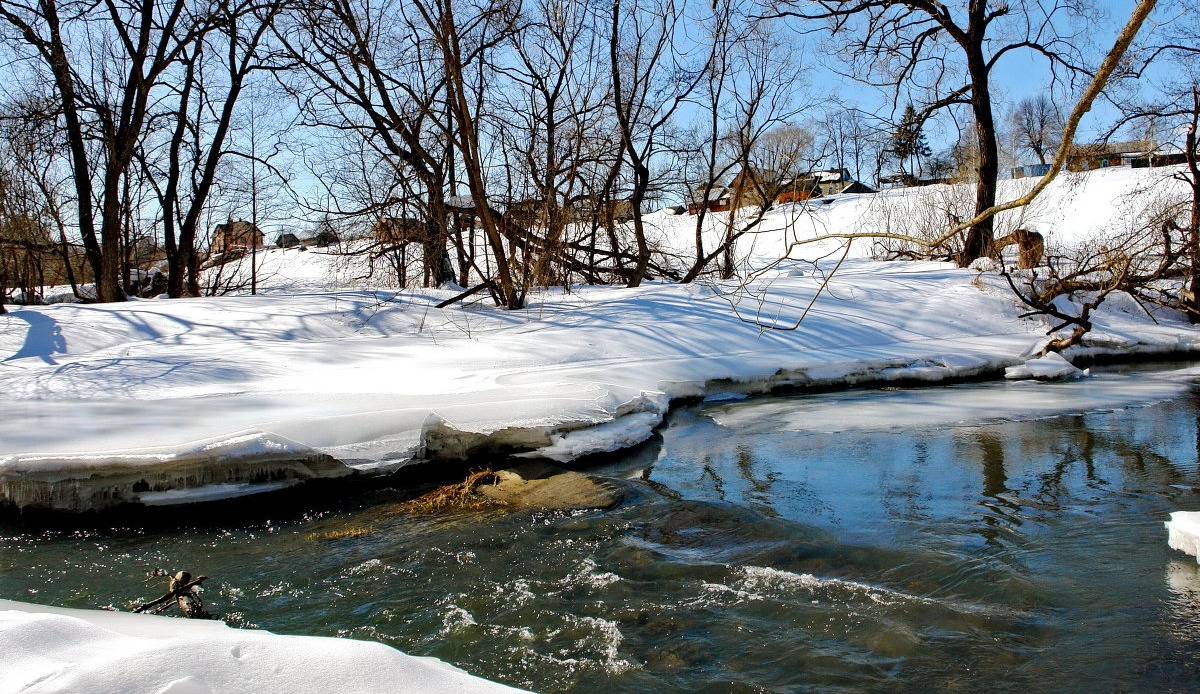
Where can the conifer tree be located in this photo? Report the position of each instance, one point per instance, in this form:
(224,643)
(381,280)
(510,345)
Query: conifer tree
(908,140)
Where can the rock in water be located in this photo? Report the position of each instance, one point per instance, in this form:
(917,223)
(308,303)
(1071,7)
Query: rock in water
(536,485)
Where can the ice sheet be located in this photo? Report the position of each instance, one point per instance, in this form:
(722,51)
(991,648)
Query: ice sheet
(872,410)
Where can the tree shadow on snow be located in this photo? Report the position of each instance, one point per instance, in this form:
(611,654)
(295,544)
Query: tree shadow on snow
(43,340)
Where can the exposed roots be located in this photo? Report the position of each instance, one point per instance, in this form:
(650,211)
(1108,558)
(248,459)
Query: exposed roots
(460,495)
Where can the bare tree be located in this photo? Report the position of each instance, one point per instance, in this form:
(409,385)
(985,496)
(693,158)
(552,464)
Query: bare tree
(852,142)
(550,118)
(949,51)
(106,59)
(208,84)
(651,79)
(464,44)
(1037,126)
(366,71)
(30,144)
(1170,103)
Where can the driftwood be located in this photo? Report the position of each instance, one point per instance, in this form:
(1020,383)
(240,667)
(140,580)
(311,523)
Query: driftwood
(1030,247)
(181,588)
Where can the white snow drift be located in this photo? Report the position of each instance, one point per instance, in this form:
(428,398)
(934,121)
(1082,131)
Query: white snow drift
(46,650)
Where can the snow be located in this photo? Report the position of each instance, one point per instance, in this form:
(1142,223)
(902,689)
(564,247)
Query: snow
(1183,532)
(323,376)
(50,649)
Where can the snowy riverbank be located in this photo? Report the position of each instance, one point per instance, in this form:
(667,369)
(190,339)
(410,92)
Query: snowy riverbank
(51,649)
(142,400)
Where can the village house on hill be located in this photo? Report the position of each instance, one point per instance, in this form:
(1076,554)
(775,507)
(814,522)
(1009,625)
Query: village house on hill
(719,198)
(750,186)
(240,235)
(1137,154)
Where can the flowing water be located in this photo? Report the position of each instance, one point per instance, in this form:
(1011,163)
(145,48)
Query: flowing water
(944,539)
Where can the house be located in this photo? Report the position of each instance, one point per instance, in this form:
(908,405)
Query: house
(238,235)
(324,237)
(718,199)
(1137,154)
(586,207)
(798,190)
(1100,155)
(904,180)
(897,180)
(750,185)
(856,187)
(527,213)
(832,181)
(1163,155)
(286,240)
(820,183)
(398,231)
(1030,170)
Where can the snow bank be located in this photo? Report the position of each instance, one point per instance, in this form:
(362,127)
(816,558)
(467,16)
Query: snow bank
(171,401)
(49,649)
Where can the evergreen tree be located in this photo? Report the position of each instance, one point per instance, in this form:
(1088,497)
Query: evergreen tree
(908,141)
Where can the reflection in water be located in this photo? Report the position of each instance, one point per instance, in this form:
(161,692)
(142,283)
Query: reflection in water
(1183,580)
(996,556)
(995,486)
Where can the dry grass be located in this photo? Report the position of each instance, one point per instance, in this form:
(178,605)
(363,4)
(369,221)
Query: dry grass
(457,496)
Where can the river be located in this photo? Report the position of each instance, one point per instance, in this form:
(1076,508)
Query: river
(976,537)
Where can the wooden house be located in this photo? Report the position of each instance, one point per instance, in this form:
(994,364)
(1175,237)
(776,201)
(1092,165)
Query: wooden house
(820,183)
(240,235)
(287,240)
(831,181)
(856,187)
(798,190)
(1101,155)
(718,199)
(1163,155)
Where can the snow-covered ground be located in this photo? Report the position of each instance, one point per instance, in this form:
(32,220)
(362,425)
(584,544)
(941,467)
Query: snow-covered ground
(50,649)
(166,401)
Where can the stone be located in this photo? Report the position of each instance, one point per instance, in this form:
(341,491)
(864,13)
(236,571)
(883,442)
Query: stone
(542,486)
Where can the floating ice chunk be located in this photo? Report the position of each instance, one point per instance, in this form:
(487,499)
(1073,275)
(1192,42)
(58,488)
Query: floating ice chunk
(1183,532)
(1053,366)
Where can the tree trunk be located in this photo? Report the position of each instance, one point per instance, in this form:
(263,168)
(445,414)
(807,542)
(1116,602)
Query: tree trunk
(1192,302)
(981,237)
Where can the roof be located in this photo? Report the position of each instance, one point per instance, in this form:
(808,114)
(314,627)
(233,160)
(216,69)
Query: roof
(1118,148)
(831,175)
(718,191)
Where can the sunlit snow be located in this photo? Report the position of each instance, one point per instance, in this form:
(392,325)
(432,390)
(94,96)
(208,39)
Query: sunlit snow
(49,649)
